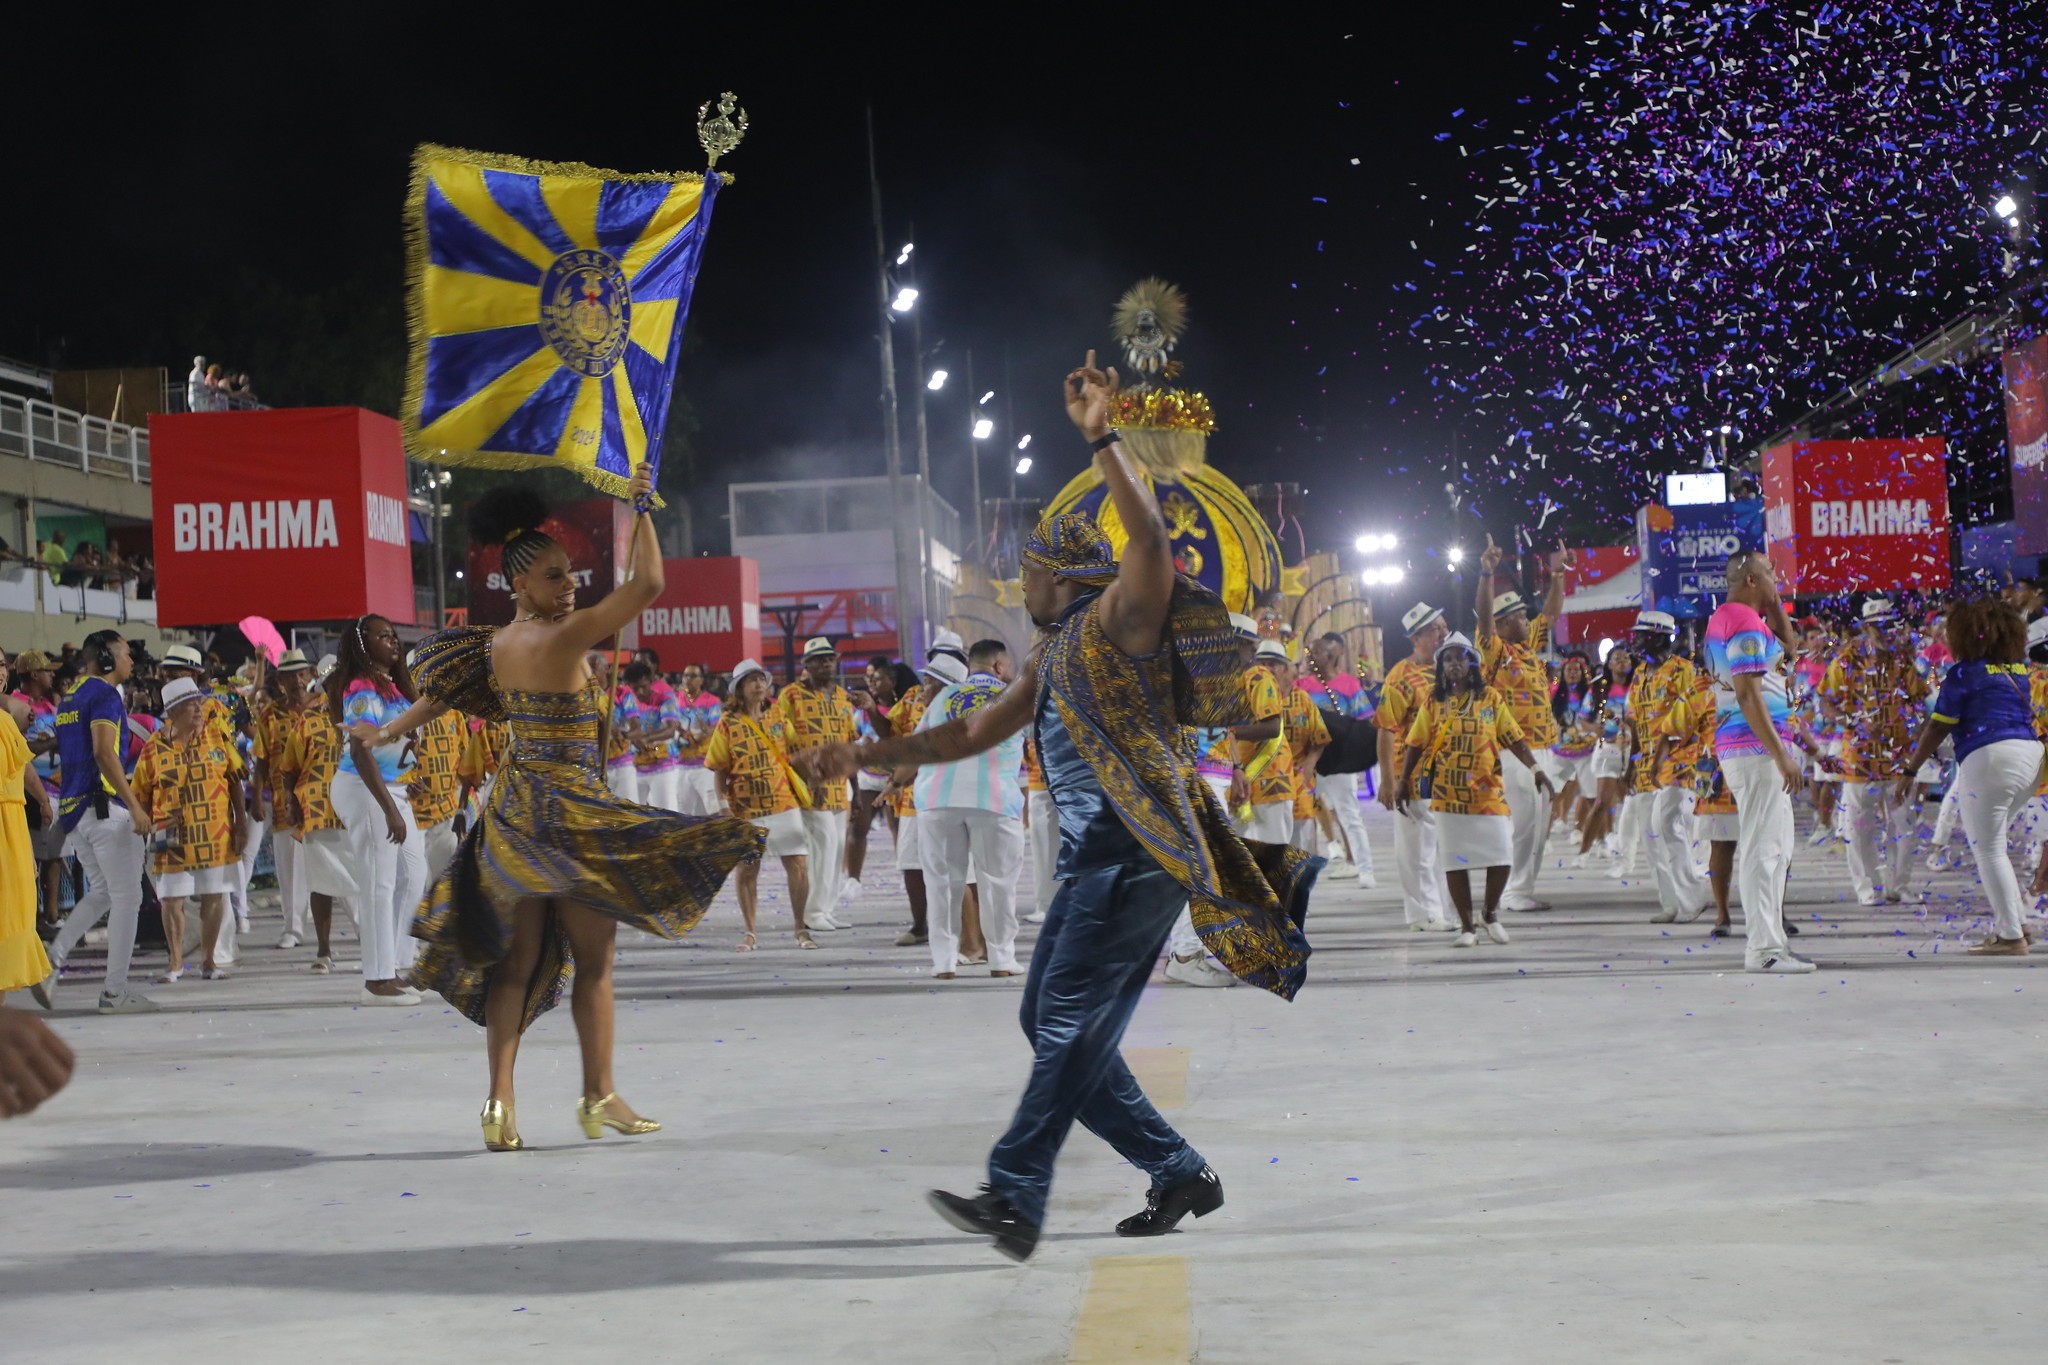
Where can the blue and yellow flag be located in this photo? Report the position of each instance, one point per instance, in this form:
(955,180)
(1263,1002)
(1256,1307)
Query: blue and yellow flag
(545,302)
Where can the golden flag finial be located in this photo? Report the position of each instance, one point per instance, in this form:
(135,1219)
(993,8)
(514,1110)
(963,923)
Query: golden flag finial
(720,135)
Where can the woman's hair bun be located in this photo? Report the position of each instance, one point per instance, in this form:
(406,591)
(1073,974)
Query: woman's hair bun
(503,511)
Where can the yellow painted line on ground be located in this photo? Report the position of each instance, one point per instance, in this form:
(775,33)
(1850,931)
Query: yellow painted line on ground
(1135,1312)
(1162,1074)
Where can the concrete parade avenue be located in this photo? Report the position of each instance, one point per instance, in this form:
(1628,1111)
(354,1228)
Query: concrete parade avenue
(1600,1142)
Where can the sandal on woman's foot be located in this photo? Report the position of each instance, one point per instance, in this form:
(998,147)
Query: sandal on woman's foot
(746,944)
(804,940)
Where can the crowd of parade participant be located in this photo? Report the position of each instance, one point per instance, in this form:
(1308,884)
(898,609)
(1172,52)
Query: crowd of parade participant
(1618,758)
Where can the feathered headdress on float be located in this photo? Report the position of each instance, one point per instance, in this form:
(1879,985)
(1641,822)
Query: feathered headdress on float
(1165,427)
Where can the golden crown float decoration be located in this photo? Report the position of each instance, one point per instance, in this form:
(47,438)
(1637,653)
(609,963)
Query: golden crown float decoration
(1219,538)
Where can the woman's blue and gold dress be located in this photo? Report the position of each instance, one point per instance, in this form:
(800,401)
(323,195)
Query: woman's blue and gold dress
(552,829)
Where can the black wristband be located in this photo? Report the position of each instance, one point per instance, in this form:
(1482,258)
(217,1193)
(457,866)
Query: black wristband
(1104,441)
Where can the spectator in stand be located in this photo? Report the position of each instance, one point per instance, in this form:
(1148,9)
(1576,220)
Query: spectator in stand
(216,389)
(55,557)
(240,393)
(145,577)
(195,386)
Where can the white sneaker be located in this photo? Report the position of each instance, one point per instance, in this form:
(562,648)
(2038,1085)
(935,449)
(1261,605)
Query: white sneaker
(127,1002)
(1449,926)
(1340,870)
(1582,860)
(849,892)
(1423,926)
(1368,879)
(1197,971)
(1524,904)
(1035,917)
(1818,837)
(1496,931)
(1664,917)
(405,997)
(1617,869)
(287,939)
(820,926)
(1465,939)
(1869,898)
(1776,964)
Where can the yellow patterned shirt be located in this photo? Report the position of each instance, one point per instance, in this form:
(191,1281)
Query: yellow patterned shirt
(755,760)
(1461,739)
(1301,729)
(904,718)
(272,725)
(1881,697)
(434,788)
(184,788)
(1694,714)
(810,717)
(482,748)
(312,756)
(1518,673)
(1651,697)
(1409,685)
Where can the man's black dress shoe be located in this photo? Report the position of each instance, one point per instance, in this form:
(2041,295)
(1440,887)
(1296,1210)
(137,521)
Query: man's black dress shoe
(1199,1194)
(990,1215)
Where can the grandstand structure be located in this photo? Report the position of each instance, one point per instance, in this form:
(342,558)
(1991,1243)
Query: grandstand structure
(66,470)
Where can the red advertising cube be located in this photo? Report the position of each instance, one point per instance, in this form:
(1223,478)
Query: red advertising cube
(596,534)
(297,514)
(1847,516)
(710,614)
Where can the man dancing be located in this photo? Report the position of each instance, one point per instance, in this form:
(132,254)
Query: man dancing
(1511,645)
(1665,680)
(1875,686)
(1129,654)
(1409,684)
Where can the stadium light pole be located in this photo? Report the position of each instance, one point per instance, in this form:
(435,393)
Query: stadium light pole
(892,420)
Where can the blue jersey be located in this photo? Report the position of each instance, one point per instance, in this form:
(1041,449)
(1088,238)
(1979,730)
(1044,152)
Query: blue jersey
(91,704)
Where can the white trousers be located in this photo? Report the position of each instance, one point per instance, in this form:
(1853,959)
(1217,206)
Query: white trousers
(1308,835)
(1681,890)
(1339,792)
(294,892)
(1996,781)
(623,780)
(1045,847)
(1272,822)
(389,877)
(956,840)
(1880,838)
(696,791)
(110,851)
(253,831)
(437,849)
(1422,881)
(1635,815)
(825,846)
(1763,855)
(660,789)
(1529,817)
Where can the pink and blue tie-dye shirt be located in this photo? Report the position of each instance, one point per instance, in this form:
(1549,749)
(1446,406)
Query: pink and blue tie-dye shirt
(1739,644)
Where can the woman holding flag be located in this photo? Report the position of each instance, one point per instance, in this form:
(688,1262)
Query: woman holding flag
(557,861)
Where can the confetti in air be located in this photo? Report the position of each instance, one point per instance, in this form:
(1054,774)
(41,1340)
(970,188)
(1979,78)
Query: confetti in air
(1715,215)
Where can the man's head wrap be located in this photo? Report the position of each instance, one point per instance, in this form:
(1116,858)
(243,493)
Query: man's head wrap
(1072,546)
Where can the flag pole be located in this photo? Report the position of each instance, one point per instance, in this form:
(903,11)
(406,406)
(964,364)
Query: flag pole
(604,724)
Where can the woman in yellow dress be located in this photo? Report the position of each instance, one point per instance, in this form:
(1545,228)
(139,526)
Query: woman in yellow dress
(22,960)
(557,862)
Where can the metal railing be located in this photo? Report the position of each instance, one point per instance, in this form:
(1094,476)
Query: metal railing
(21,584)
(36,430)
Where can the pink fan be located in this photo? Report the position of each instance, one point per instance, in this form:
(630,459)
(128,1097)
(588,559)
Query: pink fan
(262,634)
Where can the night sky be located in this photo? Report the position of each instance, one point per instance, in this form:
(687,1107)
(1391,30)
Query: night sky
(204,186)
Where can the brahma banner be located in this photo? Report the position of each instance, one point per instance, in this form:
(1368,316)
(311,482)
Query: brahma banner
(295,514)
(1844,516)
(597,535)
(709,613)
(2026,426)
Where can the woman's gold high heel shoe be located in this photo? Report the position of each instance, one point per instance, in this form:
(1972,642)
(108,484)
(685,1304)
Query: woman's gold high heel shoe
(499,1134)
(595,1120)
